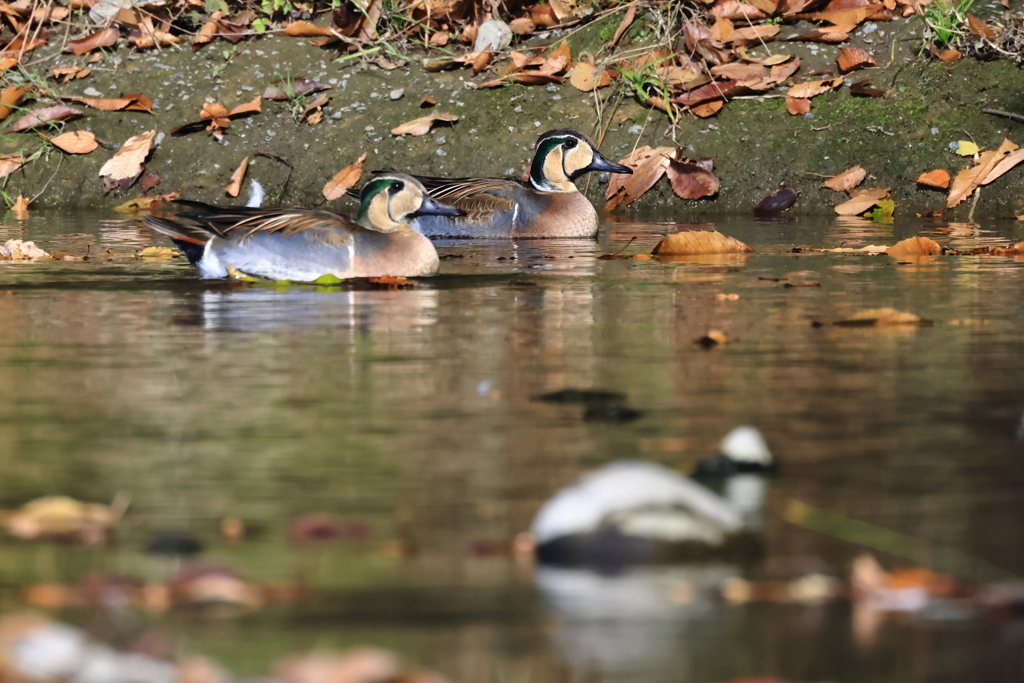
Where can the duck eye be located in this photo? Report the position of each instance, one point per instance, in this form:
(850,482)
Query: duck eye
(396,187)
(571,143)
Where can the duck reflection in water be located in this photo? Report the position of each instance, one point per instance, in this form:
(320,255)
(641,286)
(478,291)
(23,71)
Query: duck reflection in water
(633,555)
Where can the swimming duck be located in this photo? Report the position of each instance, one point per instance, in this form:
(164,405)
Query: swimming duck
(546,205)
(634,511)
(303,245)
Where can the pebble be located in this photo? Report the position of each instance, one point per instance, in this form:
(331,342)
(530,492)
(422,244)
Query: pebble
(634,129)
(396,94)
(494,34)
(93,92)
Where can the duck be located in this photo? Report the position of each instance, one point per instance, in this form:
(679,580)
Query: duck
(635,512)
(304,245)
(547,204)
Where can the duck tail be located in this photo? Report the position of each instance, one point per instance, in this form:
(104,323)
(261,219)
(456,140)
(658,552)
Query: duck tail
(189,238)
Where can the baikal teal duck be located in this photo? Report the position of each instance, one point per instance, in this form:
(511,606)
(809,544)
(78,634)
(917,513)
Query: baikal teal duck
(304,245)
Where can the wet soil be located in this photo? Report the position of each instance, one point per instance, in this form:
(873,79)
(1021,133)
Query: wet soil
(756,145)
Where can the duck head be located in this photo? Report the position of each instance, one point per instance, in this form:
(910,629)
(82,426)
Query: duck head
(562,156)
(390,201)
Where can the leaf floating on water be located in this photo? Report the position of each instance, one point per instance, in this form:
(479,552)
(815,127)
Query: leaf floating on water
(847,180)
(776,202)
(937,178)
(76,142)
(20,207)
(882,316)
(344,179)
(712,339)
(422,125)
(699,242)
(158,253)
(915,246)
(129,160)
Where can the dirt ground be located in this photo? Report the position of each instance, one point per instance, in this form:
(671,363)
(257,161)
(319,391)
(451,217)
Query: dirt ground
(756,145)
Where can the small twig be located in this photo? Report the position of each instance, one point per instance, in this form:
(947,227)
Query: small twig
(1009,115)
(828,127)
(631,240)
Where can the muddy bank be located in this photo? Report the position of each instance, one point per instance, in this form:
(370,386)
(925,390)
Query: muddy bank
(756,145)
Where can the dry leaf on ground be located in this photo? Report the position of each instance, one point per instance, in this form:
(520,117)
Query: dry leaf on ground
(648,166)
(76,142)
(847,180)
(9,163)
(798,106)
(857,205)
(882,316)
(522,26)
(427,101)
(690,181)
(700,242)
(812,88)
(128,161)
(915,246)
(9,98)
(422,125)
(103,104)
(969,179)
(937,178)
(626,22)
(949,56)
(45,115)
(305,29)
(586,78)
(1007,162)
(851,60)
(237,177)
(105,37)
(344,179)
(63,74)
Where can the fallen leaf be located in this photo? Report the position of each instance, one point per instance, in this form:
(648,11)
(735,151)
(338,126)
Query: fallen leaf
(700,242)
(914,246)
(857,205)
(427,101)
(690,181)
(288,89)
(739,72)
(706,109)
(206,34)
(626,22)
(20,207)
(344,179)
(559,52)
(753,34)
(24,43)
(981,29)
(9,163)
(949,56)
(1007,162)
(76,142)
(851,60)
(937,178)
(128,161)
(648,166)
(797,106)
(966,148)
(103,104)
(139,102)
(158,253)
(712,339)
(422,125)
(105,37)
(812,88)
(480,60)
(305,29)
(827,34)
(9,98)
(882,316)
(63,74)
(861,89)
(145,203)
(149,181)
(847,180)
(237,177)
(585,77)
(46,115)
(251,107)
(522,26)
(969,179)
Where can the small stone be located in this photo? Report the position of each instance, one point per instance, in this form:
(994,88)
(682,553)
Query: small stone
(634,129)
(93,92)
(396,94)
(441,152)
(552,88)
(441,140)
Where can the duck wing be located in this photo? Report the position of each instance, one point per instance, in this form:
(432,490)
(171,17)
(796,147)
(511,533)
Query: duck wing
(239,222)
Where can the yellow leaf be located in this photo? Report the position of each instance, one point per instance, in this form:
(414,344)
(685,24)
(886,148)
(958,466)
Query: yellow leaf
(966,148)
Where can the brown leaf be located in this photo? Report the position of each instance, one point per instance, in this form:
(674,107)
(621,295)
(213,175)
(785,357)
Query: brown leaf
(24,43)
(781,72)
(481,60)
(849,17)
(128,161)
(861,88)
(851,60)
(700,242)
(247,108)
(812,88)
(882,316)
(752,34)
(235,186)
(345,178)
(827,34)
(9,163)
(777,202)
(108,104)
(427,101)
(914,246)
(139,102)
(305,29)
(46,115)
(648,166)
(969,179)
(63,74)
(690,181)
(20,207)
(949,56)
(981,29)
(847,180)
(798,106)
(206,34)
(722,29)
(937,178)
(739,72)
(522,26)
(422,125)
(559,52)
(149,181)
(9,98)
(857,205)
(586,78)
(1007,162)
(440,38)
(706,109)
(626,22)
(76,142)
(736,10)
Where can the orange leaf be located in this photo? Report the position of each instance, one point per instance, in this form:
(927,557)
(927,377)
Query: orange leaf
(700,242)
(981,29)
(77,142)
(561,51)
(586,78)
(937,178)
(105,37)
(252,107)
(882,316)
(753,33)
(20,208)
(626,22)
(109,104)
(847,180)
(914,246)
(481,60)
(950,56)
(139,102)
(1008,162)
(798,106)
(812,88)
(522,26)
(706,109)
(305,29)
(851,60)
(828,34)
(235,186)
(9,98)
(344,179)
(969,179)
(857,205)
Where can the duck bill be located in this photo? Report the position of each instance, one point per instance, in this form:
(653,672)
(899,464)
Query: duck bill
(603,163)
(432,207)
